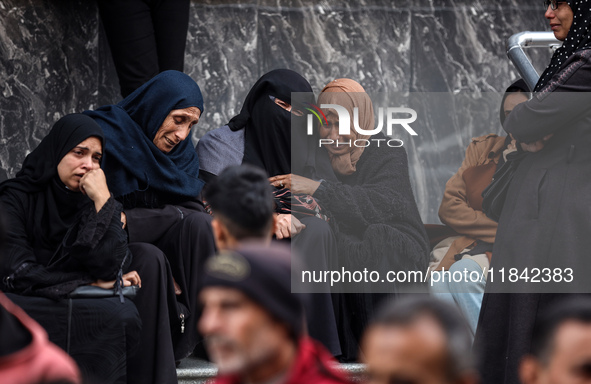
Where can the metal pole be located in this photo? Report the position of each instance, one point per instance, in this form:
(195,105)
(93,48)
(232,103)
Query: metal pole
(516,53)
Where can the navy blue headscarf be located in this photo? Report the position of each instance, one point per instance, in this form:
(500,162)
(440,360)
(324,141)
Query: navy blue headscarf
(131,160)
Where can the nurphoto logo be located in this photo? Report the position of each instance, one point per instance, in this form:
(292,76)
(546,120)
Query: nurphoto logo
(393,118)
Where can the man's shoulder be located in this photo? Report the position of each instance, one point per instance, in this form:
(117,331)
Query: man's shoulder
(315,364)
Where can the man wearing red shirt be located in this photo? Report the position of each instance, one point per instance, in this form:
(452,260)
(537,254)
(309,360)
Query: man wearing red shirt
(254,326)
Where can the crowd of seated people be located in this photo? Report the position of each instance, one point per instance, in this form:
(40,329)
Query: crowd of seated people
(132,249)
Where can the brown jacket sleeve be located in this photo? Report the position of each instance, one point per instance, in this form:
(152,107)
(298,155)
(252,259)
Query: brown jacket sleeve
(455,210)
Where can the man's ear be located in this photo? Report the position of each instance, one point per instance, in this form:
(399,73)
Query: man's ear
(530,370)
(219,233)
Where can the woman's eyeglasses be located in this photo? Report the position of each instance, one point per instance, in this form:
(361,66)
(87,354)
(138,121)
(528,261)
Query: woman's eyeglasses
(552,3)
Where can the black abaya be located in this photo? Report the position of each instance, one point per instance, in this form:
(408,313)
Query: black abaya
(545,218)
(183,233)
(317,245)
(99,334)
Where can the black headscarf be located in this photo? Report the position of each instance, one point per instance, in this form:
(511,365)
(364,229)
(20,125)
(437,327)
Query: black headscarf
(131,161)
(52,207)
(579,37)
(518,86)
(268,133)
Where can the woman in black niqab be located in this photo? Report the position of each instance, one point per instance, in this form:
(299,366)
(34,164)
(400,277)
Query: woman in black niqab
(276,139)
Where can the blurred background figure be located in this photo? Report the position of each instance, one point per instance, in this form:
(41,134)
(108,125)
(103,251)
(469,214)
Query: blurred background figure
(252,323)
(418,339)
(561,345)
(146,37)
(241,200)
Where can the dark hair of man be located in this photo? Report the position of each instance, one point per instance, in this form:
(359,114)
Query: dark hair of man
(405,310)
(241,199)
(576,308)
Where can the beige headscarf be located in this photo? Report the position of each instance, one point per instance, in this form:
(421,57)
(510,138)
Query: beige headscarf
(349,94)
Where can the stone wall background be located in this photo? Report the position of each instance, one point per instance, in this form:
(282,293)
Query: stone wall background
(54,60)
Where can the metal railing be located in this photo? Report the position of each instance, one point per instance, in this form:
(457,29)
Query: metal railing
(516,53)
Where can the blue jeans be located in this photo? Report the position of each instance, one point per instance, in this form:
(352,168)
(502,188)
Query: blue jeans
(466,294)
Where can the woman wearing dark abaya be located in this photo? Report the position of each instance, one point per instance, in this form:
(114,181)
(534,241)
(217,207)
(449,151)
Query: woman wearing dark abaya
(261,135)
(153,171)
(64,231)
(371,204)
(545,219)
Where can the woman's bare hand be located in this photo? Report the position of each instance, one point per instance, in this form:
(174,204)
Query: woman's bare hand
(132,278)
(123,220)
(129,279)
(288,226)
(94,185)
(177,287)
(281,181)
(297,184)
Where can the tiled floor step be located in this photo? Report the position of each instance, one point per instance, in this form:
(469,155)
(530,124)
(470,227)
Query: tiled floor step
(196,371)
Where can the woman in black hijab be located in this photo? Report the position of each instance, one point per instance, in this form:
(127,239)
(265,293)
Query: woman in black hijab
(545,219)
(64,232)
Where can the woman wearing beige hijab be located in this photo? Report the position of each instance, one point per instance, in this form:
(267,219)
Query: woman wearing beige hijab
(371,207)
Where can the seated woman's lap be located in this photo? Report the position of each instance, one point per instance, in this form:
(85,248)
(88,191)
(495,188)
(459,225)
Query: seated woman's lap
(316,244)
(100,334)
(157,305)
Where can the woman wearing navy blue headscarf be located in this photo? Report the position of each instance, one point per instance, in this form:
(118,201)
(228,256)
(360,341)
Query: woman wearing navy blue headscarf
(152,169)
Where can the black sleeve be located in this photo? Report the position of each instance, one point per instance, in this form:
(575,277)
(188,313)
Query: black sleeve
(21,271)
(557,106)
(98,242)
(385,195)
(150,224)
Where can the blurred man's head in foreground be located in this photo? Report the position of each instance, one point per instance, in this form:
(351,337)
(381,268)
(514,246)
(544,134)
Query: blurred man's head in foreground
(417,340)
(561,345)
(251,321)
(242,203)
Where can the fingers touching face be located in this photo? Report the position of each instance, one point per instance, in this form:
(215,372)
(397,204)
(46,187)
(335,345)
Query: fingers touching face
(81,159)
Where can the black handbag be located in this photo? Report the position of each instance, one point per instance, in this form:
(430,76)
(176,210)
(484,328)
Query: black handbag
(92,292)
(493,196)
